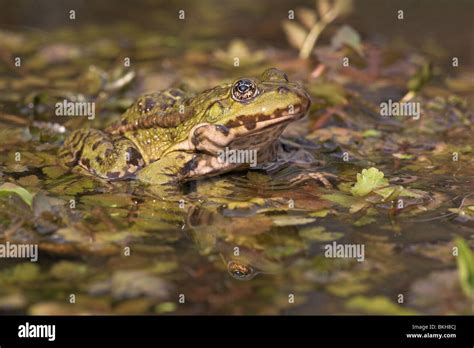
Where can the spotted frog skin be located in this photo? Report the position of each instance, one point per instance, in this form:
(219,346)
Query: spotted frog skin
(171,136)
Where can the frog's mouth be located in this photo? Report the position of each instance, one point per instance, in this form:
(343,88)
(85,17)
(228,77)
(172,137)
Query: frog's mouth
(250,124)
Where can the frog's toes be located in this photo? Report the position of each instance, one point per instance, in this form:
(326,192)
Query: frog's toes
(210,137)
(328,180)
(204,165)
(189,168)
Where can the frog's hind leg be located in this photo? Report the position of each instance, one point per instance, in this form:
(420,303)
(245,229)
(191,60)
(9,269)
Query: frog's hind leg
(109,157)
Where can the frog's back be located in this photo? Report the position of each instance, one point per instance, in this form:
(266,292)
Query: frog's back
(159,107)
(150,121)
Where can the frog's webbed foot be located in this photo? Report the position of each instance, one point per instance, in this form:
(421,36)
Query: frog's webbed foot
(109,157)
(326,179)
(203,165)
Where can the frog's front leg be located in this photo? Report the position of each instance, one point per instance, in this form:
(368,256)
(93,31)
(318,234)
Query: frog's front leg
(211,138)
(166,169)
(109,157)
(204,165)
(178,166)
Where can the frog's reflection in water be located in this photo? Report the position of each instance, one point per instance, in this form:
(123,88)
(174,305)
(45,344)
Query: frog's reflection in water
(242,261)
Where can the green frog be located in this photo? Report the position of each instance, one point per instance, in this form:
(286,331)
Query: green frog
(171,136)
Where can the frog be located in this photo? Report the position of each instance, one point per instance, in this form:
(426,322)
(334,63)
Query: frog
(172,136)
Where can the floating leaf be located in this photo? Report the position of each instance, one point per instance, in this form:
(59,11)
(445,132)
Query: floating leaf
(389,193)
(164,267)
(53,172)
(108,200)
(21,273)
(320,213)
(372,133)
(289,220)
(165,307)
(29,181)
(26,196)
(402,156)
(367,181)
(258,178)
(341,199)
(354,203)
(364,220)
(137,283)
(246,204)
(68,270)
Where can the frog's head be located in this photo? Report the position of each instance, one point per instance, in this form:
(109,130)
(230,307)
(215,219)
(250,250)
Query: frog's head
(249,113)
(250,105)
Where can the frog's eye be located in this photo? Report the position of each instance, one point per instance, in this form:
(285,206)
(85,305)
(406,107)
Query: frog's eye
(240,271)
(244,90)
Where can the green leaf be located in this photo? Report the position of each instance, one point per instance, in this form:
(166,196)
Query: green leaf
(367,181)
(364,220)
(291,220)
(354,203)
(347,36)
(341,199)
(165,307)
(465,261)
(320,213)
(372,133)
(8,188)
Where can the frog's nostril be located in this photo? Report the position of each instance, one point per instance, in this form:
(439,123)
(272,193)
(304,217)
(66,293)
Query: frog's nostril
(283,90)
